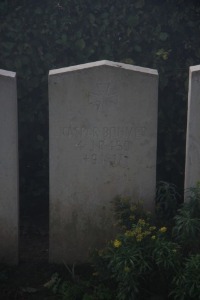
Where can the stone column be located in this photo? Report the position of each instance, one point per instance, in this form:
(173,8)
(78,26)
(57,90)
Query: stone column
(103,138)
(9,212)
(192,166)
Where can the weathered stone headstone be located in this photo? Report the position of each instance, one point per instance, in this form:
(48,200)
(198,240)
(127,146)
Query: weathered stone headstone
(8,168)
(103,136)
(192,167)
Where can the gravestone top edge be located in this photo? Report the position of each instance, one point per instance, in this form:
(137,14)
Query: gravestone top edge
(7,73)
(103,63)
(195,68)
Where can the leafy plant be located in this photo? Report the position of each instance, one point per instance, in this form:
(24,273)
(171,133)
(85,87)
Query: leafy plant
(83,289)
(187,222)
(135,257)
(99,292)
(186,284)
(144,261)
(166,201)
(71,291)
(127,212)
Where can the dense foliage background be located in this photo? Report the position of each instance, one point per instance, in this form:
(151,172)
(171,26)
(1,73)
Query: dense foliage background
(39,35)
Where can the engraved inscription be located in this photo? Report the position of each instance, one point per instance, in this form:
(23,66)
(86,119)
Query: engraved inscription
(103,95)
(108,145)
(104,145)
(111,159)
(105,132)
(115,145)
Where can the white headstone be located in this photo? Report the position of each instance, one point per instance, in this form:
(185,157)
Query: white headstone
(192,167)
(103,137)
(8,168)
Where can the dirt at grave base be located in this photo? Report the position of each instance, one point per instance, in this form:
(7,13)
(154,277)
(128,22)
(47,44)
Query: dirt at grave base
(26,281)
(34,239)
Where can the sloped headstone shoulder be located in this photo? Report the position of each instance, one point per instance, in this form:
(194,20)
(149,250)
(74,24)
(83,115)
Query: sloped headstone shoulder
(8,168)
(102,143)
(103,63)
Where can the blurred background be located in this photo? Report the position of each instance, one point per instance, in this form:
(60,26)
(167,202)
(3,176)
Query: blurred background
(39,35)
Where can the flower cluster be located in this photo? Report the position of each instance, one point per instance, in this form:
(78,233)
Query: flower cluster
(140,230)
(117,243)
(163,229)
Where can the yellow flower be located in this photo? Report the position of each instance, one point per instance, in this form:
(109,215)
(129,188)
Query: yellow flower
(127,269)
(141,222)
(133,208)
(174,250)
(152,228)
(132,218)
(139,237)
(138,230)
(163,229)
(129,233)
(125,200)
(198,184)
(117,243)
(153,237)
(145,233)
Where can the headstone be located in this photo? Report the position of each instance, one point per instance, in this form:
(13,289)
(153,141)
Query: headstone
(8,168)
(103,137)
(192,167)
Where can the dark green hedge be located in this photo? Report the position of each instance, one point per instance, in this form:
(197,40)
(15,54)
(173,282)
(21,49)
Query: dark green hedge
(36,36)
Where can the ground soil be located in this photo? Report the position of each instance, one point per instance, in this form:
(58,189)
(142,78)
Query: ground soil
(26,281)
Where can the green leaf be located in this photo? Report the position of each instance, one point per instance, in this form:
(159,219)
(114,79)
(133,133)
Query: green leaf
(139,4)
(91,18)
(80,44)
(163,36)
(137,48)
(64,38)
(38,11)
(9,45)
(29,290)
